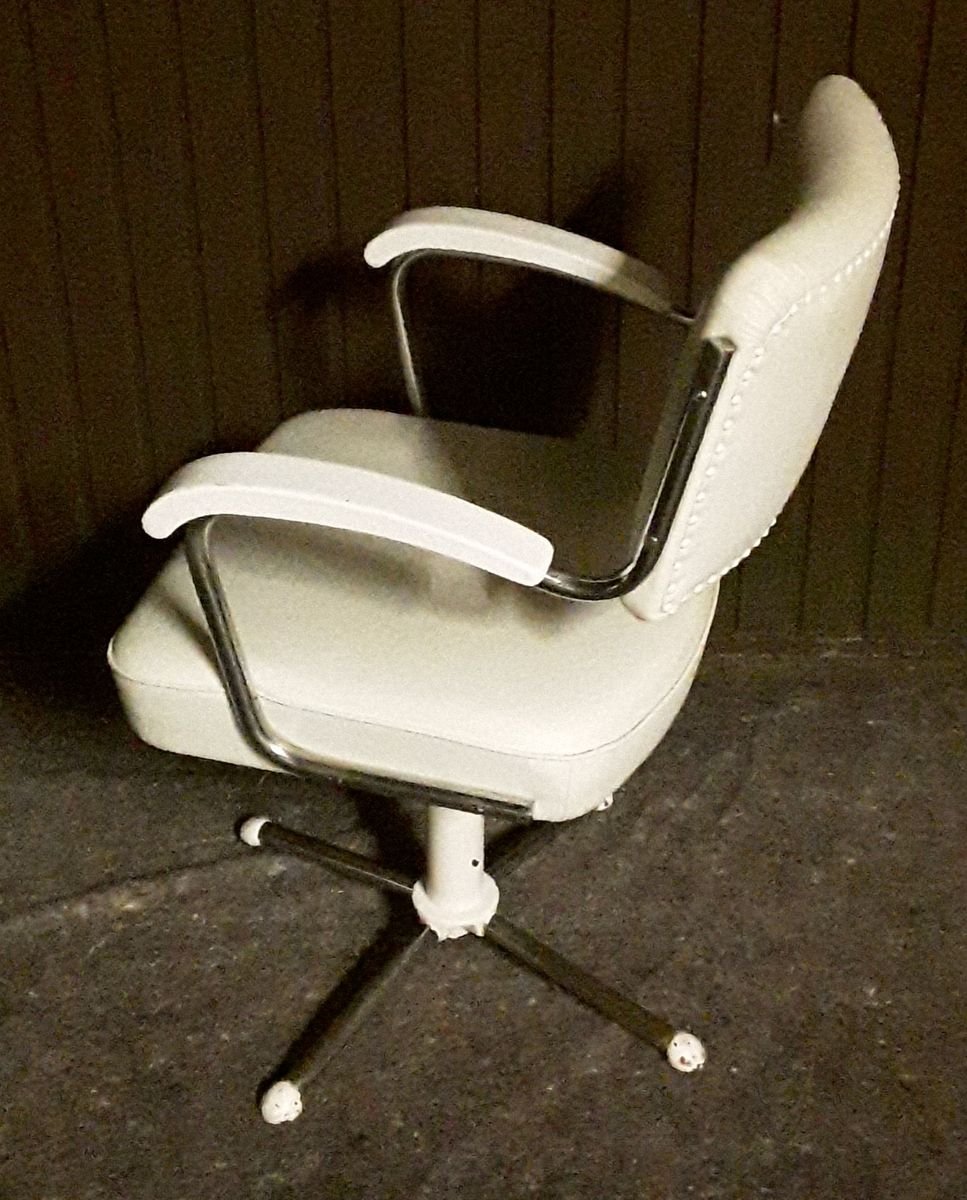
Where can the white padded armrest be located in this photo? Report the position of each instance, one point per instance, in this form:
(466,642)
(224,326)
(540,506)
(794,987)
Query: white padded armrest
(286,488)
(473,231)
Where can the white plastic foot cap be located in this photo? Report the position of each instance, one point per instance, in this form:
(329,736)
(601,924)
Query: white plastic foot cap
(282,1102)
(686,1053)
(251,829)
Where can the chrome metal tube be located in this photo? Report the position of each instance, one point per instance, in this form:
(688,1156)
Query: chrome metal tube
(541,959)
(411,376)
(326,1035)
(344,862)
(256,731)
(709,375)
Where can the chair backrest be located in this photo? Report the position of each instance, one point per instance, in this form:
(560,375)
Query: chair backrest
(793,305)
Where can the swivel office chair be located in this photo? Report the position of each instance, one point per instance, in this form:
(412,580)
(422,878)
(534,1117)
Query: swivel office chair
(468,617)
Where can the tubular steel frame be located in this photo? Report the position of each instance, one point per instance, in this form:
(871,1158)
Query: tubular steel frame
(318,1045)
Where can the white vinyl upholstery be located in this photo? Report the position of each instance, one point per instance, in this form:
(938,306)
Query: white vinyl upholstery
(404,663)
(793,305)
(409,664)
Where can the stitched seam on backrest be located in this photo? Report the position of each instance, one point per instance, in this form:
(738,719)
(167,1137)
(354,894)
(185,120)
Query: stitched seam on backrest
(670,600)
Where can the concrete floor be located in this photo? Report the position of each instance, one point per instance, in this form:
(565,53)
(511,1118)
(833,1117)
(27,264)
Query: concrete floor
(785,875)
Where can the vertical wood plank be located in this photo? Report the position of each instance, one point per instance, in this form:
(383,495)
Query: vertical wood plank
(812,41)
(588,69)
(660,147)
(149,105)
(367,97)
(94,245)
(440,69)
(16,552)
(441,86)
(662,121)
(515,147)
(515,67)
(47,436)
(949,611)
(297,129)
(733,202)
(926,362)
(888,54)
(586,99)
(218,55)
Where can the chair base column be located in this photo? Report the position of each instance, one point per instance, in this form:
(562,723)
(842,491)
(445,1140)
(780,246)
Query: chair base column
(456,895)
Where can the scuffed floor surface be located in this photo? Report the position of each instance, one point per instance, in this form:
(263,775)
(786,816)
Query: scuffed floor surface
(786,876)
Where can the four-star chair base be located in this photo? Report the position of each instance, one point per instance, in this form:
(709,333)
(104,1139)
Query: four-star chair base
(455,897)
(378,564)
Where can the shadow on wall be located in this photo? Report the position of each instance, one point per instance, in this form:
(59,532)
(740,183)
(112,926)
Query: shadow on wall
(499,347)
(54,636)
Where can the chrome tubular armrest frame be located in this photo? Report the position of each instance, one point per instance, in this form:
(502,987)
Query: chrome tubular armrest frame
(710,369)
(400,270)
(703,390)
(251,722)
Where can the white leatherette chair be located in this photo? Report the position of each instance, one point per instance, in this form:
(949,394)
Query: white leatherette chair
(472,618)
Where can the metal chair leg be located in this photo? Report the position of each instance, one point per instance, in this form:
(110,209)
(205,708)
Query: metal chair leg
(683,1050)
(261,832)
(326,1035)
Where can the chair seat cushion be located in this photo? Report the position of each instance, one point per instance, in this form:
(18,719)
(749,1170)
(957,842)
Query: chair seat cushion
(403,663)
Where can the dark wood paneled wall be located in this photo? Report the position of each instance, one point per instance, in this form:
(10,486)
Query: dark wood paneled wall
(187,185)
